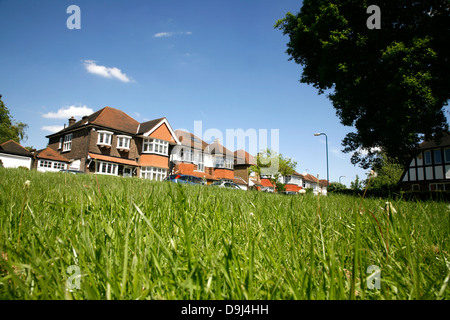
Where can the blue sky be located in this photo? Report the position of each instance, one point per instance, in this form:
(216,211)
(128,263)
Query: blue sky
(219,62)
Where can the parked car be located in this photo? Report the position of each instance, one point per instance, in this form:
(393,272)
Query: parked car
(226,184)
(184,178)
(288,193)
(71,171)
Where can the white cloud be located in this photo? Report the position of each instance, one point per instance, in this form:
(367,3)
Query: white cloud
(170,34)
(67,112)
(52,128)
(105,72)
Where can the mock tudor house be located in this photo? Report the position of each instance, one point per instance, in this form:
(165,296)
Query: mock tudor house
(111,142)
(13,155)
(429,169)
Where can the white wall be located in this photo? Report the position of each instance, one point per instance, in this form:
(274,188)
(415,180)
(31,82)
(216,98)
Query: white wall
(15,161)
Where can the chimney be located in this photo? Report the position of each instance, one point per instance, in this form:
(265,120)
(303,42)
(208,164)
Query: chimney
(71,121)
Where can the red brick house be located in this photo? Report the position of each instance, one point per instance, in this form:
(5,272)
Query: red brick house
(50,160)
(111,142)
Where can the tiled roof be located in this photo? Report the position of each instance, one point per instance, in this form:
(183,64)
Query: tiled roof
(107,117)
(311,178)
(149,125)
(112,159)
(239,180)
(430,144)
(49,153)
(323,182)
(266,183)
(13,147)
(217,148)
(243,157)
(190,140)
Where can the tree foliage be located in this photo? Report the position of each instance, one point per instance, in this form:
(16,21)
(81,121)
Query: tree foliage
(272,165)
(10,129)
(390,84)
(388,173)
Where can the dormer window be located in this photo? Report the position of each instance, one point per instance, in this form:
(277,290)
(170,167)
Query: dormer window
(123,142)
(104,138)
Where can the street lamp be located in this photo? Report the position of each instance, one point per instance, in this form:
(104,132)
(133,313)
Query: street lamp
(326,140)
(340,178)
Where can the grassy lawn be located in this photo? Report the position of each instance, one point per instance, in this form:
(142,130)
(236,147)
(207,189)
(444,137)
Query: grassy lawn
(67,236)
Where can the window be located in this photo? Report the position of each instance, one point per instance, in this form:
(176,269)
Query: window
(67,146)
(437,187)
(427,155)
(186,154)
(123,142)
(58,165)
(45,164)
(447,155)
(229,163)
(155,146)
(219,162)
(60,143)
(153,173)
(437,156)
(199,160)
(51,164)
(104,138)
(106,168)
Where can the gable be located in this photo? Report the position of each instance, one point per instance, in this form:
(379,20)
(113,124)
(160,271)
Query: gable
(162,133)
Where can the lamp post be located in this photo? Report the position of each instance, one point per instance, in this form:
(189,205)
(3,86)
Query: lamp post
(340,178)
(326,140)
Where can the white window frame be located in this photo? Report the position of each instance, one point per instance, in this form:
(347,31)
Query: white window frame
(229,163)
(104,138)
(107,168)
(198,156)
(153,173)
(60,143)
(126,142)
(219,162)
(157,146)
(67,145)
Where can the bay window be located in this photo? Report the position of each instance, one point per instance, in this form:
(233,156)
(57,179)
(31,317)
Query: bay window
(104,138)
(123,142)
(108,168)
(153,173)
(155,146)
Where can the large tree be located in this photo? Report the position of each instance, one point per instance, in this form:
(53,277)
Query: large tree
(391,84)
(10,129)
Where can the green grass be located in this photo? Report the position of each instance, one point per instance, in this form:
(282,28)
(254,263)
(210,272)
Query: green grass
(137,239)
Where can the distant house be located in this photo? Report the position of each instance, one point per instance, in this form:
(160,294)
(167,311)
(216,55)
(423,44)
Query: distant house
(50,160)
(242,163)
(293,182)
(110,142)
(266,185)
(311,182)
(13,155)
(429,169)
(189,156)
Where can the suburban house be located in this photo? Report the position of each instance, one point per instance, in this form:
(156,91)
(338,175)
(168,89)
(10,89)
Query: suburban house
(112,143)
(13,155)
(189,156)
(266,185)
(49,160)
(211,162)
(429,169)
(242,163)
(293,182)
